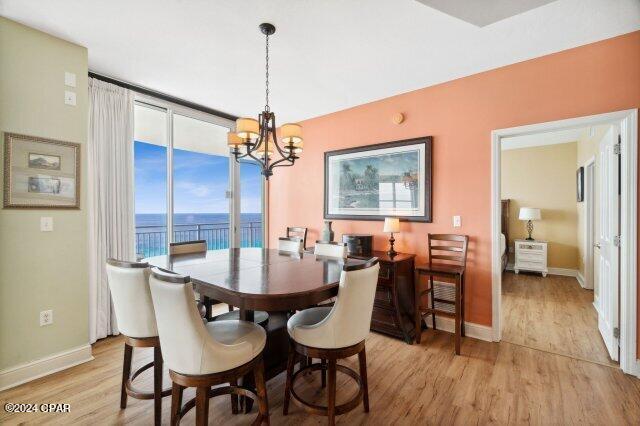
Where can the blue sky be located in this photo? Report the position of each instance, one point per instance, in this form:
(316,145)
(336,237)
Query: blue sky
(200,182)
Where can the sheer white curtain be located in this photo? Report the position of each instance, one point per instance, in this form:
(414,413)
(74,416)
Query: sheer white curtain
(110,193)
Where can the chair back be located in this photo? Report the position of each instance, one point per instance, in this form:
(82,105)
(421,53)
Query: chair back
(330,249)
(298,231)
(349,321)
(188,247)
(291,244)
(187,347)
(129,285)
(448,249)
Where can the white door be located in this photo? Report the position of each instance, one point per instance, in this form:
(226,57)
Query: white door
(608,254)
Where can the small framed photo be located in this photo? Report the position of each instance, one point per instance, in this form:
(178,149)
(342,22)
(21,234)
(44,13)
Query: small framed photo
(580,184)
(41,173)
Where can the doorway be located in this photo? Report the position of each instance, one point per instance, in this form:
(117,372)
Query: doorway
(626,244)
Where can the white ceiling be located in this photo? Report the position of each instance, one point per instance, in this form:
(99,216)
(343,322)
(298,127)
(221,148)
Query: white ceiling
(481,13)
(326,55)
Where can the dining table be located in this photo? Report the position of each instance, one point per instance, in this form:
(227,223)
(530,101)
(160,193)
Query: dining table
(261,280)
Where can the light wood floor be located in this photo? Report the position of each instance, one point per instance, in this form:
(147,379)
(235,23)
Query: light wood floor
(553,314)
(490,383)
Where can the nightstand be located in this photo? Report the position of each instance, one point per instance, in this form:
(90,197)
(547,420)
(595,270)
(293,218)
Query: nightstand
(531,256)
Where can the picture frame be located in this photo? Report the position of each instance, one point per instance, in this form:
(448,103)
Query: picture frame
(40,173)
(371,182)
(580,184)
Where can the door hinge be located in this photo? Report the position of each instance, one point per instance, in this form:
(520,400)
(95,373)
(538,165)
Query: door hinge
(616,332)
(616,241)
(616,149)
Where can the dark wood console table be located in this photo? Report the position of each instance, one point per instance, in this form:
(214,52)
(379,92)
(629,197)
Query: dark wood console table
(393,308)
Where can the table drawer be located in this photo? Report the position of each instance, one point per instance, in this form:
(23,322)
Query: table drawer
(385,276)
(384,297)
(383,319)
(528,256)
(530,247)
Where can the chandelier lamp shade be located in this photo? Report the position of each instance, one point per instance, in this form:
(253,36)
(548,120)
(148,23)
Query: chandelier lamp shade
(257,140)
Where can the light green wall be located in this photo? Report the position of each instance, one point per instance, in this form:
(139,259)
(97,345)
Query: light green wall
(42,270)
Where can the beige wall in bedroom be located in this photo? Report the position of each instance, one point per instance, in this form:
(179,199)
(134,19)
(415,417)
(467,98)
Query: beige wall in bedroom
(544,177)
(42,270)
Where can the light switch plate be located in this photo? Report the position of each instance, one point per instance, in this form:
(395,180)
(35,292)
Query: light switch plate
(46,224)
(69,98)
(69,79)
(457,222)
(46,318)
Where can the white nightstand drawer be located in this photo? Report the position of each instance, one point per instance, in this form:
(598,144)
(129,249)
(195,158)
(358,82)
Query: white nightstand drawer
(530,247)
(539,257)
(538,266)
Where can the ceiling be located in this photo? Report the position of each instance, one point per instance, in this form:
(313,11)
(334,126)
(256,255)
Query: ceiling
(326,55)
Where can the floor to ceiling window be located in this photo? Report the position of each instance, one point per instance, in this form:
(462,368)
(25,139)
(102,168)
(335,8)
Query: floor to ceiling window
(185,181)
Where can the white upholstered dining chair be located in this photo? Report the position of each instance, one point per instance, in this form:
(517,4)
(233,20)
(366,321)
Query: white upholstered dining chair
(290,244)
(330,249)
(129,285)
(204,355)
(332,333)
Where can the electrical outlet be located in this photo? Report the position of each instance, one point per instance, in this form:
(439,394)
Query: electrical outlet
(69,98)
(457,222)
(46,317)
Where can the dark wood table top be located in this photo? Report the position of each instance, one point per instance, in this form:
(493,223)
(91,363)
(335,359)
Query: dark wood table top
(259,279)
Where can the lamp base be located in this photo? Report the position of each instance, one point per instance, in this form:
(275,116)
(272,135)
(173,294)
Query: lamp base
(391,252)
(530,239)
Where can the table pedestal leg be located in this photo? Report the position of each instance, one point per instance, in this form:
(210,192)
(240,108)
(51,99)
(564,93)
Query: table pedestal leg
(247,380)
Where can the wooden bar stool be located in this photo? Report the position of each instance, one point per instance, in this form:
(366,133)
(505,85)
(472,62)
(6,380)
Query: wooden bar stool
(447,259)
(129,285)
(332,333)
(204,355)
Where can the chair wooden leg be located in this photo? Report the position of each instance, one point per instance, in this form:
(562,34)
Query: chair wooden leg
(457,317)
(230,308)
(261,390)
(206,301)
(126,373)
(362,358)
(417,314)
(234,399)
(157,385)
(202,405)
(176,403)
(331,393)
(291,361)
(462,330)
(433,303)
(323,372)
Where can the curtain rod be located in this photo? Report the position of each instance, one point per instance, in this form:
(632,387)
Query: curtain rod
(162,96)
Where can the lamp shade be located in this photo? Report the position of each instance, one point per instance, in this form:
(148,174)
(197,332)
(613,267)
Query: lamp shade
(233,140)
(391,224)
(260,150)
(297,148)
(291,133)
(247,128)
(529,213)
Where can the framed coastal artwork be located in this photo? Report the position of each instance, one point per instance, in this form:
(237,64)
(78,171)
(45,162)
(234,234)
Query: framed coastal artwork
(376,181)
(41,173)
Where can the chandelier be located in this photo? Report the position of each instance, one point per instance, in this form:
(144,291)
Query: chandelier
(257,140)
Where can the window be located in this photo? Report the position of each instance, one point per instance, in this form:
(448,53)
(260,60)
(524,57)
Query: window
(184,177)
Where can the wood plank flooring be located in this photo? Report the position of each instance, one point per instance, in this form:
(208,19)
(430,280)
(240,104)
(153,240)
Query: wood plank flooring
(490,383)
(552,314)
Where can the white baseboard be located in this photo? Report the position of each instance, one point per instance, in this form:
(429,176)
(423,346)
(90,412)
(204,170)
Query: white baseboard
(29,371)
(565,272)
(580,279)
(477,331)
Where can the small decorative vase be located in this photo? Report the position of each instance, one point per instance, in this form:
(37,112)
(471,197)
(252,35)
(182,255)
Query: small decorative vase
(327,233)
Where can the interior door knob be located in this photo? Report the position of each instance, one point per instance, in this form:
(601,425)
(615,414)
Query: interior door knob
(597,245)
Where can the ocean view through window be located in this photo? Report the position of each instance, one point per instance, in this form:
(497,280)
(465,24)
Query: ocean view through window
(201,179)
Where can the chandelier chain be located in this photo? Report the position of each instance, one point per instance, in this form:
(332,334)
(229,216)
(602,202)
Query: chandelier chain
(266,106)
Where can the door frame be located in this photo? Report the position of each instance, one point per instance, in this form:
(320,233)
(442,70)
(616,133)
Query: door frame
(628,122)
(587,280)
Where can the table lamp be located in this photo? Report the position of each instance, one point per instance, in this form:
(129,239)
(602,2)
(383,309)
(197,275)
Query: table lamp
(391,225)
(529,214)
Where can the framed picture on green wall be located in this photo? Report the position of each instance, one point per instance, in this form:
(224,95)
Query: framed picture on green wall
(41,173)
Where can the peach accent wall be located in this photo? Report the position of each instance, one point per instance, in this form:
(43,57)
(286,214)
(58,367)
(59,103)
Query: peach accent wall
(460,115)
